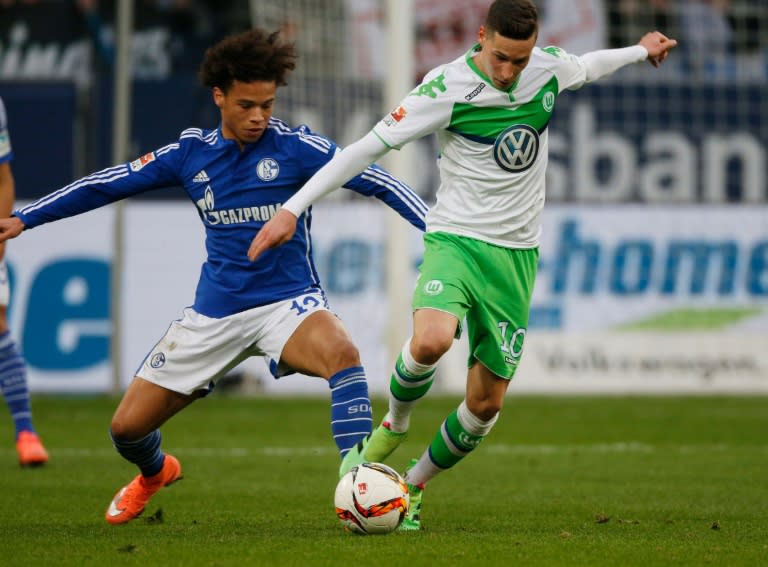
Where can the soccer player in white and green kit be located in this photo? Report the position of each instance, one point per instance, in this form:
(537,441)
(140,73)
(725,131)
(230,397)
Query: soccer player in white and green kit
(490,109)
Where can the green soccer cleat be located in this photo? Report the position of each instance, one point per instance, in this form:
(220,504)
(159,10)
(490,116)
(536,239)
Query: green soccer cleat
(374,448)
(353,457)
(412,520)
(382,442)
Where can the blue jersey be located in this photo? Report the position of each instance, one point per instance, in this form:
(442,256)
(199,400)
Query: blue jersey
(235,192)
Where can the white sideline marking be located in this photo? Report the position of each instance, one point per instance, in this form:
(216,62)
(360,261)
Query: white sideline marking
(495,448)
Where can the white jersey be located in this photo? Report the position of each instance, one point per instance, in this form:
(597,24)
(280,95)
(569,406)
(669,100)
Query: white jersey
(493,143)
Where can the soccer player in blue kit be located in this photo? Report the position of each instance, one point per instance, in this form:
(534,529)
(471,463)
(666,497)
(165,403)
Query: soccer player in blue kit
(13,368)
(238,176)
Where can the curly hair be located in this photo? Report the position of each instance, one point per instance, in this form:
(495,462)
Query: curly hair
(253,55)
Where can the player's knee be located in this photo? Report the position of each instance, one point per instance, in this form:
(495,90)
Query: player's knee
(344,355)
(427,348)
(121,430)
(118,431)
(489,412)
(484,410)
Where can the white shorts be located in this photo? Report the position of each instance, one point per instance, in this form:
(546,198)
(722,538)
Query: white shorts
(5,286)
(197,351)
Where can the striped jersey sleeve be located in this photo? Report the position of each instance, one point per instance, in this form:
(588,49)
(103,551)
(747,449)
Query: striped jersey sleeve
(374,181)
(153,170)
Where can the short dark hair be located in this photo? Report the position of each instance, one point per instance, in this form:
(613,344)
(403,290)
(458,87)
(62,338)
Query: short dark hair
(514,19)
(253,55)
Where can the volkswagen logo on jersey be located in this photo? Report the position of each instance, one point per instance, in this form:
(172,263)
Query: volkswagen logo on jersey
(516,148)
(267,169)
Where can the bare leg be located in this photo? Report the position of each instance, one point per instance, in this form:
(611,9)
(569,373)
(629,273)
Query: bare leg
(145,407)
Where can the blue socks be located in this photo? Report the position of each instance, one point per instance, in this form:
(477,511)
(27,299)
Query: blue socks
(351,421)
(351,416)
(144,453)
(13,383)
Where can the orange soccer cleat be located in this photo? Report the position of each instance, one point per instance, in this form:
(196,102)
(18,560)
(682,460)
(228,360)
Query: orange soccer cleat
(130,500)
(30,449)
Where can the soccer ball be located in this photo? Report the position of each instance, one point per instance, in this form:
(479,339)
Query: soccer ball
(371,498)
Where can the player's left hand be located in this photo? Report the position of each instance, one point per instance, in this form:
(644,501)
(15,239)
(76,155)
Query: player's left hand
(658,46)
(10,227)
(278,230)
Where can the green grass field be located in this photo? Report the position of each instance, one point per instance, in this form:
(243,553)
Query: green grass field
(560,481)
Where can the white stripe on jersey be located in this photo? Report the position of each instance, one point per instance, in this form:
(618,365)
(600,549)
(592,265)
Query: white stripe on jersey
(308,249)
(398,188)
(103,176)
(197,133)
(316,141)
(192,133)
(166,149)
(278,124)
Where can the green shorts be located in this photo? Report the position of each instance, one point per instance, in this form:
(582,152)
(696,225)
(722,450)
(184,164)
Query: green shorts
(489,285)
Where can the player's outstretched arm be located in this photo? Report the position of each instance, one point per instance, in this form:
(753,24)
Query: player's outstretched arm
(658,46)
(10,227)
(344,165)
(653,46)
(276,231)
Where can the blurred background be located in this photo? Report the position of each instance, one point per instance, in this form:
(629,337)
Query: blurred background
(654,270)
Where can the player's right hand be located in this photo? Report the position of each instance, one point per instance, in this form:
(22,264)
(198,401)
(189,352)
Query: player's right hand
(278,230)
(10,228)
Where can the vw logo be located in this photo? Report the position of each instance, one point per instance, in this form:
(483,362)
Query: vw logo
(267,169)
(516,148)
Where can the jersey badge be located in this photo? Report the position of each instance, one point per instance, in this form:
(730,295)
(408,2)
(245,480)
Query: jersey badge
(137,164)
(267,169)
(157,360)
(516,148)
(398,114)
(433,287)
(548,101)
(395,116)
